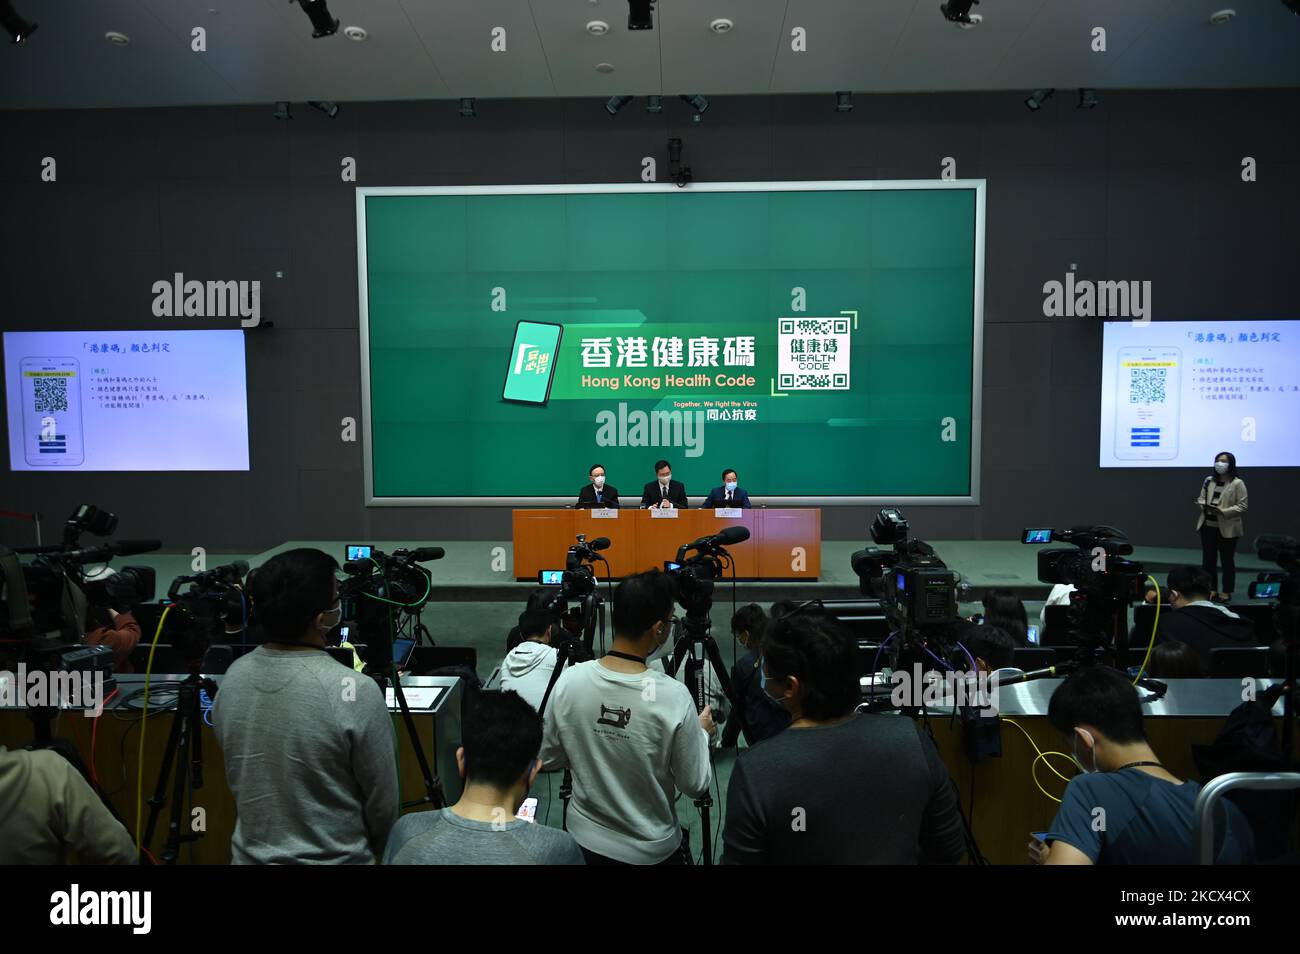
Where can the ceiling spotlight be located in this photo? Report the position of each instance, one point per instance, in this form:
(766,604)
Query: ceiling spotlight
(17,28)
(844,102)
(721,25)
(640,14)
(282,111)
(467,108)
(957,11)
(653,104)
(325,106)
(616,103)
(355,33)
(117,39)
(1087,98)
(597,27)
(696,102)
(1038,97)
(319,13)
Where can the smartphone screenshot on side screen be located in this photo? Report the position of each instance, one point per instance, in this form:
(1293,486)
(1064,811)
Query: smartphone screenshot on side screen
(1147,403)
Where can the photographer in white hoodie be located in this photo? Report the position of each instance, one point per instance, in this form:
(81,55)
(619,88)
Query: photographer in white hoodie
(528,667)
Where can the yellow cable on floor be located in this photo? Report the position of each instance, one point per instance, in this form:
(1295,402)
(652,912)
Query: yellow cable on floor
(1155,625)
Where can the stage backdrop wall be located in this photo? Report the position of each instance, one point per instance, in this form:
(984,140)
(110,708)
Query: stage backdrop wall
(1147,186)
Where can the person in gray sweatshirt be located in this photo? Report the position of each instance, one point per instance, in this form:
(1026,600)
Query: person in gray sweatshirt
(631,736)
(308,743)
(498,761)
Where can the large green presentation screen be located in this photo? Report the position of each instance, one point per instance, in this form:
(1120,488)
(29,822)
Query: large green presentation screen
(821,338)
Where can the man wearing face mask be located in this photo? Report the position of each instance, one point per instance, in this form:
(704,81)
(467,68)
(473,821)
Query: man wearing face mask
(1148,811)
(730,494)
(663,492)
(631,736)
(309,757)
(871,788)
(597,495)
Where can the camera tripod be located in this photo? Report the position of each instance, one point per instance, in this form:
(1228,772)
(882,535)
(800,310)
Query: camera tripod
(186,741)
(564,654)
(695,648)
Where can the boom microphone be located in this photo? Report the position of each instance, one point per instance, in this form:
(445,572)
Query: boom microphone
(426,554)
(102,554)
(1048,673)
(600,543)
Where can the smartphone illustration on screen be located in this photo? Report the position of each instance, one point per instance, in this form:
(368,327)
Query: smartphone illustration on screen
(51,396)
(531,369)
(1147,403)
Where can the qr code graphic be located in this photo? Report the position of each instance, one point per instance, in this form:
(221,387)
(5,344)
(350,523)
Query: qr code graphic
(51,394)
(1146,385)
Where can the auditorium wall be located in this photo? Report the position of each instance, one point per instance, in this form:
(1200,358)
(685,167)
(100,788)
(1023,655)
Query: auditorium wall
(1148,186)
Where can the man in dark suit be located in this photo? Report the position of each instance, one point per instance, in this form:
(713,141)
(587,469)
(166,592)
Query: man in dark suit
(597,495)
(729,494)
(664,491)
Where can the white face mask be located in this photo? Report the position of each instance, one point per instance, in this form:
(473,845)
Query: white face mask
(731,485)
(337,615)
(1078,761)
(599,481)
(1221,467)
(665,479)
(665,646)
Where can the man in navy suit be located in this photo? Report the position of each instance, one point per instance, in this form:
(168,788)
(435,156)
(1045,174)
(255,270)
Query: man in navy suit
(597,495)
(663,491)
(729,494)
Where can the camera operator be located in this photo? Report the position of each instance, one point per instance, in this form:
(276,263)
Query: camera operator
(1149,812)
(308,743)
(49,811)
(528,667)
(119,631)
(764,717)
(631,736)
(871,789)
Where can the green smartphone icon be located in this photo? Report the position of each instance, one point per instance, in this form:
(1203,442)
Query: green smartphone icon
(533,356)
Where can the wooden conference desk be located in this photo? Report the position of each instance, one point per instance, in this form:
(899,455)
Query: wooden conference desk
(783,544)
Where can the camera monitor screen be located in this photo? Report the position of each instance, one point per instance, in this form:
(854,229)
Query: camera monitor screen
(126,400)
(1038,536)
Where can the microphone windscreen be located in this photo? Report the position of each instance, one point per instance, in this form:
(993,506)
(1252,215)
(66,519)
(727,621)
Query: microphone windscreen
(733,535)
(600,543)
(425,554)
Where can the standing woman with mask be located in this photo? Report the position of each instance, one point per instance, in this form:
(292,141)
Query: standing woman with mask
(1222,501)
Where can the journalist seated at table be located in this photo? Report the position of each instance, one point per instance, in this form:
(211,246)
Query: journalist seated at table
(597,495)
(730,494)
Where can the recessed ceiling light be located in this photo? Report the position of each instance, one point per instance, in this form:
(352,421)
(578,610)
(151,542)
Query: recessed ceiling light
(597,27)
(355,33)
(721,25)
(117,39)
(1220,17)
(604,67)
(975,20)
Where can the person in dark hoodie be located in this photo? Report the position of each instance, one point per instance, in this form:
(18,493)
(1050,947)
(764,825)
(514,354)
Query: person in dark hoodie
(1193,619)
